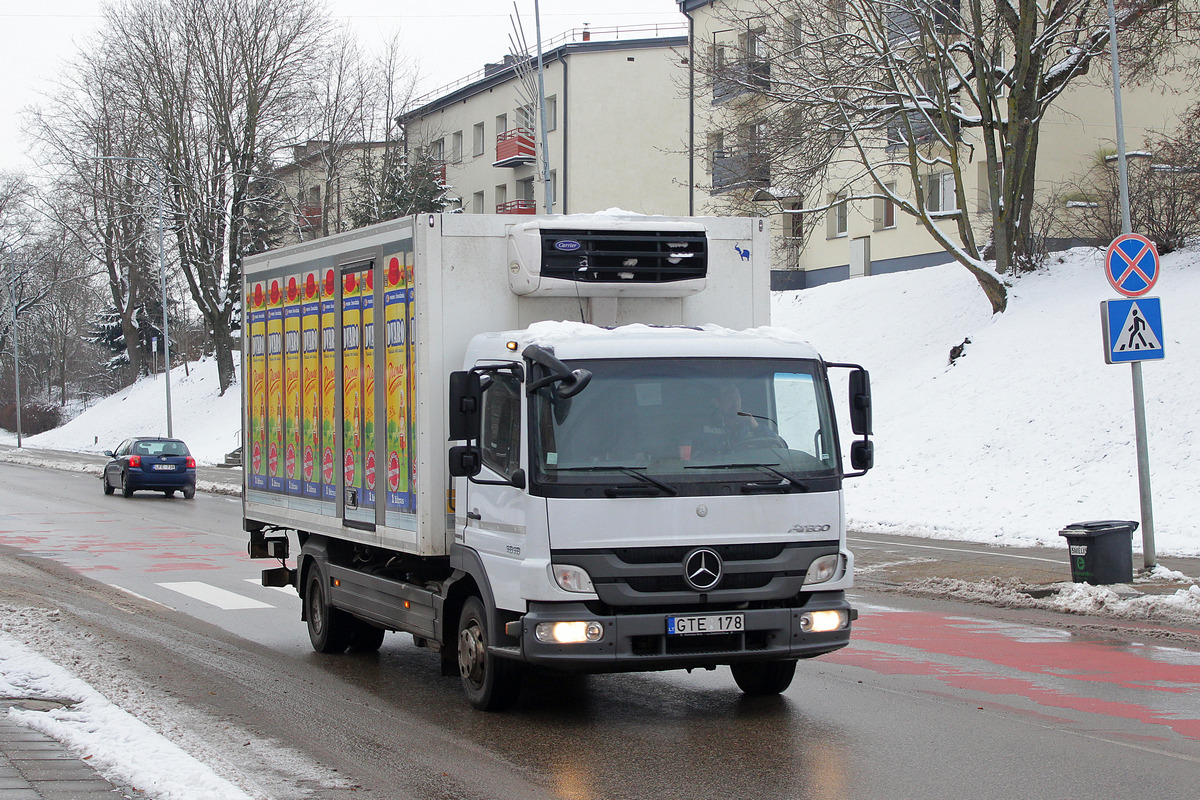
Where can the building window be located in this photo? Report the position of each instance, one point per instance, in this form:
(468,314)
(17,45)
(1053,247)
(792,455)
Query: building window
(478,140)
(551,113)
(501,194)
(554,188)
(456,143)
(477,203)
(526,116)
(437,150)
(501,124)
(525,189)
(837,217)
(885,209)
(939,192)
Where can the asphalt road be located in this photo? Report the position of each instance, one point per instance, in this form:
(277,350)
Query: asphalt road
(154,602)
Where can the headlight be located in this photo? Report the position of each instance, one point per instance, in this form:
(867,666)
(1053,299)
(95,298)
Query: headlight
(572,578)
(823,569)
(569,632)
(823,621)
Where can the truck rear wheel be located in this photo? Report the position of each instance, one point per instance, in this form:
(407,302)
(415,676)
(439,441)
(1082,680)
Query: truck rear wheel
(329,628)
(764,677)
(491,684)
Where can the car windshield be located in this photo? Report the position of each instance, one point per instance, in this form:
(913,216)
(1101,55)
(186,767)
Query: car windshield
(160,448)
(763,422)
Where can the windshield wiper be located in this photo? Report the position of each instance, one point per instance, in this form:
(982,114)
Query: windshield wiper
(632,471)
(785,479)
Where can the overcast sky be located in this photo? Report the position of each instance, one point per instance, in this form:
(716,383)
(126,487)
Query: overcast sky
(449,39)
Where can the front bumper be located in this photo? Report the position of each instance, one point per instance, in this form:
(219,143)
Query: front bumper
(639,642)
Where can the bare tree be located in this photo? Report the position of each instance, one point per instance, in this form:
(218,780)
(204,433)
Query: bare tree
(850,95)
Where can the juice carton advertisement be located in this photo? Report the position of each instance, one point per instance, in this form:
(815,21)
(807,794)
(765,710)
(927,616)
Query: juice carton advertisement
(368,384)
(412,379)
(292,310)
(275,386)
(256,439)
(328,396)
(352,395)
(310,383)
(395,301)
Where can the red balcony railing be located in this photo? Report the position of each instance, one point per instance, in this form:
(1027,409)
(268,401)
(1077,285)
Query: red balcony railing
(310,217)
(515,147)
(517,207)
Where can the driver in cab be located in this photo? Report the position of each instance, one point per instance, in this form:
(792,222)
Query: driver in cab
(726,426)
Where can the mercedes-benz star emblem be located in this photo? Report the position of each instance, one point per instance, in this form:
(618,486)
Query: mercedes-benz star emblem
(702,569)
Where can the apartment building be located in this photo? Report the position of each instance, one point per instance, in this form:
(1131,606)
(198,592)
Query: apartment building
(616,119)
(319,182)
(871,236)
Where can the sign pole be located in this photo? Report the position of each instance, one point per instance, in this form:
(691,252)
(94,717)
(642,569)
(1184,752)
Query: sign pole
(1139,406)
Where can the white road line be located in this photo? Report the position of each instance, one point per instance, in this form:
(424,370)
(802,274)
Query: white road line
(221,598)
(288,590)
(952,549)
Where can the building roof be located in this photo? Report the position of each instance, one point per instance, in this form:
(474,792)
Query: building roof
(691,5)
(494,75)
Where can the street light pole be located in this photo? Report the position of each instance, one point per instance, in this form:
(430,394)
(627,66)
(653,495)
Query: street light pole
(12,290)
(161,174)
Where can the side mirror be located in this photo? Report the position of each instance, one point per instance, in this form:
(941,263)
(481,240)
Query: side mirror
(466,393)
(860,402)
(465,461)
(109,453)
(862,455)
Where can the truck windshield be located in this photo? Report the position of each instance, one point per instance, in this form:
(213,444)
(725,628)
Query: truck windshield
(653,426)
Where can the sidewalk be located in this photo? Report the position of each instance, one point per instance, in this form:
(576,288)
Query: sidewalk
(35,767)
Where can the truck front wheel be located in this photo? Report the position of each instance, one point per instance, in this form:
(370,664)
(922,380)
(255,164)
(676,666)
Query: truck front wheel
(764,677)
(328,627)
(491,684)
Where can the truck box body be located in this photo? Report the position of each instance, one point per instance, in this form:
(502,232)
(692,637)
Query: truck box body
(346,430)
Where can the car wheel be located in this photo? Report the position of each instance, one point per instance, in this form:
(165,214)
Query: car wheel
(765,677)
(126,488)
(168,492)
(108,489)
(491,683)
(189,492)
(329,628)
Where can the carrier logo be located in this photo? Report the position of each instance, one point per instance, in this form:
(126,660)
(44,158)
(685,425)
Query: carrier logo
(567,245)
(702,569)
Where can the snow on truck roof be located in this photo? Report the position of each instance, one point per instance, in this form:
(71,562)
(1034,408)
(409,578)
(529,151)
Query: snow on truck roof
(580,340)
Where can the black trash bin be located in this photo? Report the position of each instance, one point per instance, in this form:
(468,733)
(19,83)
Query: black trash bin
(1101,551)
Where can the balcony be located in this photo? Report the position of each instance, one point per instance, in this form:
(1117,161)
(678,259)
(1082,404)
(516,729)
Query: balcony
(514,148)
(310,217)
(517,207)
(737,170)
(736,78)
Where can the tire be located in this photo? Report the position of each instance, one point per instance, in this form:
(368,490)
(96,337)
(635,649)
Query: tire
(126,489)
(108,489)
(189,492)
(763,677)
(329,628)
(490,683)
(168,492)
(366,638)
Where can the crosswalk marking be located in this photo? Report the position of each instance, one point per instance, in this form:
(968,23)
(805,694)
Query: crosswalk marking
(288,590)
(214,596)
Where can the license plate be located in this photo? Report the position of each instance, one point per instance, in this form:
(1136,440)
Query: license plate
(715,623)
(165,467)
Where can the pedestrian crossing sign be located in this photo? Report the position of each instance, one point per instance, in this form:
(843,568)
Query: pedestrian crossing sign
(1132,330)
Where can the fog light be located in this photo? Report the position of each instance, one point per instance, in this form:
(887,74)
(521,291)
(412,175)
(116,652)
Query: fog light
(821,570)
(572,578)
(822,621)
(568,632)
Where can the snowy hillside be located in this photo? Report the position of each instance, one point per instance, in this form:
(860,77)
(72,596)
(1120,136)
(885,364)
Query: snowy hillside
(1028,431)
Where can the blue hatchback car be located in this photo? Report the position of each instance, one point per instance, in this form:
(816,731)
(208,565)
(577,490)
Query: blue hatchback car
(150,463)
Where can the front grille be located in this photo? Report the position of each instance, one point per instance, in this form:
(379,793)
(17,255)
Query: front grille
(676,583)
(675,555)
(658,645)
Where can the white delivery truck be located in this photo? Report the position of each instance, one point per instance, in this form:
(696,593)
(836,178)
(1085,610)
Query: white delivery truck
(576,445)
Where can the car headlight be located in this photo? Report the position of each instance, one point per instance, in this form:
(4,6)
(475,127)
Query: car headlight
(823,569)
(572,578)
(569,632)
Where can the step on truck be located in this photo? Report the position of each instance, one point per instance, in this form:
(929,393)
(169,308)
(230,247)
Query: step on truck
(567,442)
